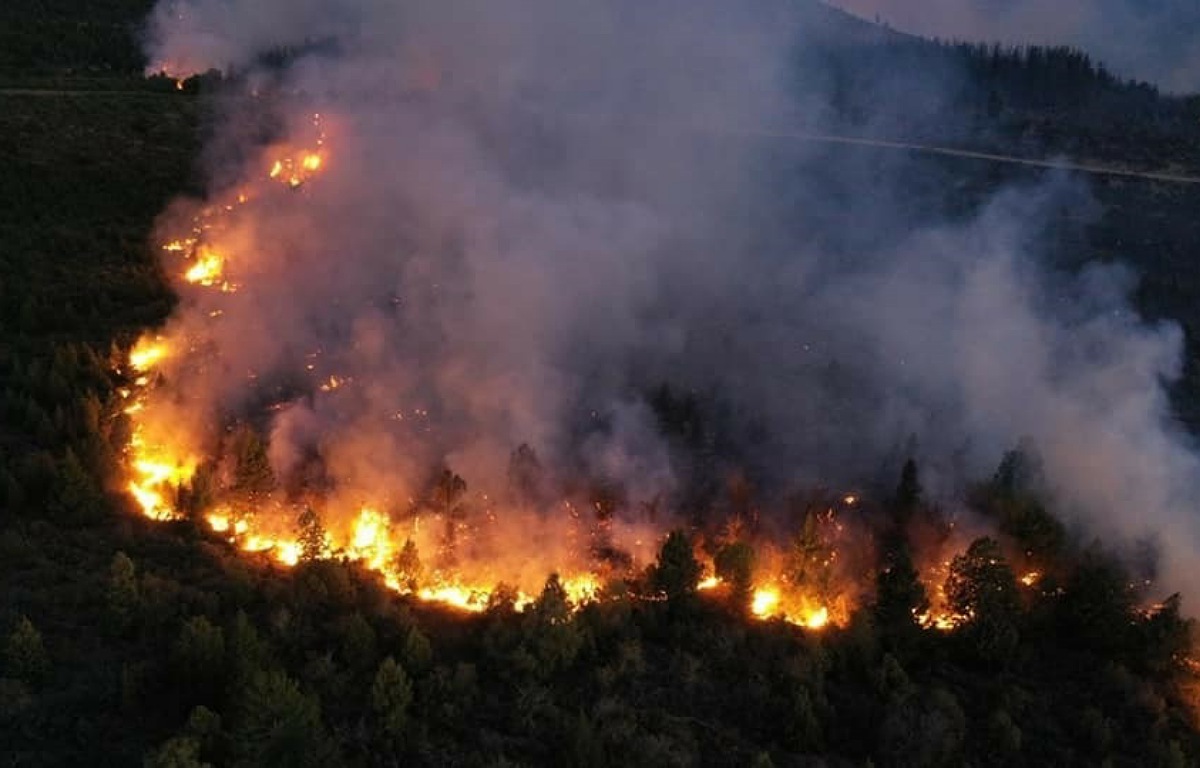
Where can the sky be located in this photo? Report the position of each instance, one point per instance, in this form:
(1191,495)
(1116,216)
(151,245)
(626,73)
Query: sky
(1153,40)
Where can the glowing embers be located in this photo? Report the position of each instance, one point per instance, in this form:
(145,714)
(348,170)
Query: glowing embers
(293,170)
(939,620)
(333,382)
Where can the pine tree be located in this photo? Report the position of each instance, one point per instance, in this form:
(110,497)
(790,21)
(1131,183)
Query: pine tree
(311,534)
(25,656)
(391,697)
(677,571)
(735,566)
(279,725)
(122,593)
(252,471)
(408,566)
(899,596)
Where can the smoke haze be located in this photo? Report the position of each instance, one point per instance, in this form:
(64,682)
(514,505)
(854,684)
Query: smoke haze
(514,240)
(1144,39)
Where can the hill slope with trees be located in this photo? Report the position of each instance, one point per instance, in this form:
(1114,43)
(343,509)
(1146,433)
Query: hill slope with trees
(126,642)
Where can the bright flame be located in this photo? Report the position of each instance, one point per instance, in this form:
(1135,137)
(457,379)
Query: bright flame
(147,353)
(155,471)
(151,501)
(581,589)
(369,540)
(765,602)
(817,619)
(939,620)
(287,552)
(206,268)
(463,598)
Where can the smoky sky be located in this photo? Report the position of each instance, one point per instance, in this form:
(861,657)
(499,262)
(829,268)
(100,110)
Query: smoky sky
(531,218)
(1152,40)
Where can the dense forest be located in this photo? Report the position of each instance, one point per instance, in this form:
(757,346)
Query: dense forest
(123,641)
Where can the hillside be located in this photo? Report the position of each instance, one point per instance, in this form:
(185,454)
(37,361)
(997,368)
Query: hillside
(127,641)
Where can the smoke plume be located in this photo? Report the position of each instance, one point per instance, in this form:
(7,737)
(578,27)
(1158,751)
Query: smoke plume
(529,220)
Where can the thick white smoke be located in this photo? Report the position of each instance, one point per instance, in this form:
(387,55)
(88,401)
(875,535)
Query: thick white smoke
(515,239)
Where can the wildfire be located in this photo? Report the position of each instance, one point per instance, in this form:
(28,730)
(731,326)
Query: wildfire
(295,169)
(582,588)
(207,267)
(286,551)
(938,620)
(473,599)
(148,352)
(152,502)
(816,619)
(370,542)
(155,470)
(764,603)
(162,458)
(770,603)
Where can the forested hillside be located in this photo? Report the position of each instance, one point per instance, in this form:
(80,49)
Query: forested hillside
(126,642)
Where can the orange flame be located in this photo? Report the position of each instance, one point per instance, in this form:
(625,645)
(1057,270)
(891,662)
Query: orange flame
(148,352)
(206,268)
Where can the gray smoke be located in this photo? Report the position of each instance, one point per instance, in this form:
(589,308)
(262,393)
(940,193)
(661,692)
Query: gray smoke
(531,217)
(1148,40)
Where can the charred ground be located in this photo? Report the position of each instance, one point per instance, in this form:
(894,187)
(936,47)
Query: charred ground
(124,641)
